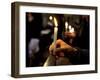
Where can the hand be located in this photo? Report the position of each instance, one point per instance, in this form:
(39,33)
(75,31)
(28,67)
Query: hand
(70,34)
(61,48)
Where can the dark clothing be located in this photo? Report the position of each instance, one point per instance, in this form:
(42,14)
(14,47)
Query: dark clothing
(33,29)
(81,56)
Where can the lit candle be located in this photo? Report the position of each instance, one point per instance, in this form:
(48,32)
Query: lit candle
(72,30)
(50,18)
(70,27)
(55,22)
(55,33)
(66,26)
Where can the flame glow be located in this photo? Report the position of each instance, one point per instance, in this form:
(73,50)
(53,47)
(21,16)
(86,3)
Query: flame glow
(72,30)
(50,17)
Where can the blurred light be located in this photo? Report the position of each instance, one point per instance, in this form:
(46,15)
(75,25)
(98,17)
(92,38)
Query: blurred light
(45,32)
(66,25)
(55,22)
(72,30)
(50,17)
(70,27)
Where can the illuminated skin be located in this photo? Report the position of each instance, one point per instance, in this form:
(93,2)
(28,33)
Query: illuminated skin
(74,55)
(70,34)
(63,47)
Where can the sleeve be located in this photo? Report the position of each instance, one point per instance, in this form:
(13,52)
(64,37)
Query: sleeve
(81,56)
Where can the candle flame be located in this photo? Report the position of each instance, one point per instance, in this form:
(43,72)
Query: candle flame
(70,27)
(72,30)
(66,25)
(50,17)
(55,22)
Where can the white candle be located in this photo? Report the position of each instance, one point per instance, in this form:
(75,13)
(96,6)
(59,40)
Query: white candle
(55,33)
(66,26)
(70,27)
(55,22)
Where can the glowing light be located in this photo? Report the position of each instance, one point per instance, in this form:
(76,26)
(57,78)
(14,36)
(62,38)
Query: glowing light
(70,27)
(72,30)
(66,26)
(50,17)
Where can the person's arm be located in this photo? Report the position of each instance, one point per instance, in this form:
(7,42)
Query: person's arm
(76,55)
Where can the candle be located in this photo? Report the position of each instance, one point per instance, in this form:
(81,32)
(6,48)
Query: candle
(55,33)
(72,30)
(50,18)
(70,27)
(55,22)
(66,26)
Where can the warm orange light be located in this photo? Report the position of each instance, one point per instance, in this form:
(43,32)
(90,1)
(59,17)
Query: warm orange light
(66,25)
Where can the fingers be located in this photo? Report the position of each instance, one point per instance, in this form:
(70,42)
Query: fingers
(60,54)
(58,42)
(59,51)
(52,46)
